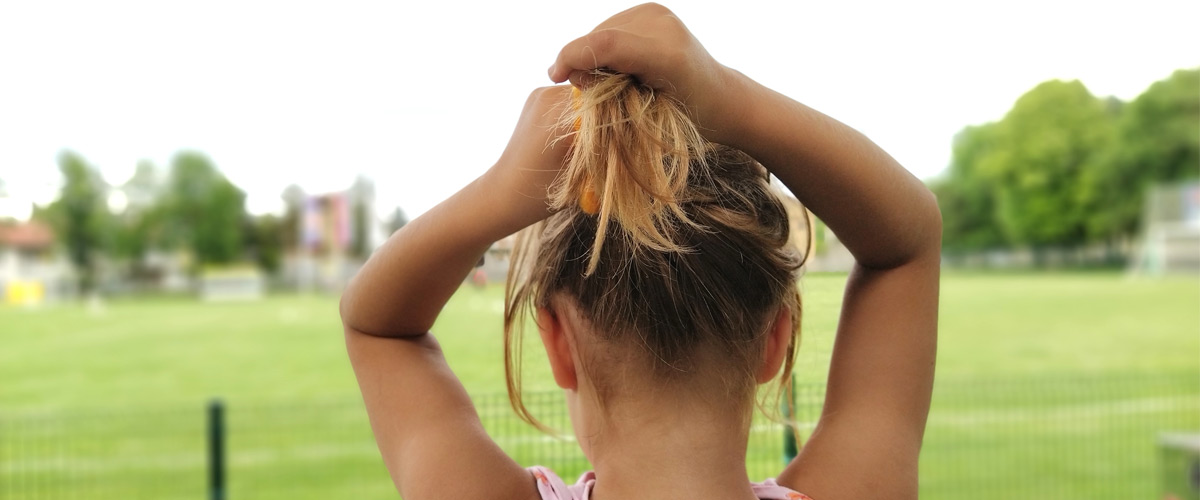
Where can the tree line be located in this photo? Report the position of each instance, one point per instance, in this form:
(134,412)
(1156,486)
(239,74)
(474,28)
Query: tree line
(1064,169)
(193,208)
(190,209)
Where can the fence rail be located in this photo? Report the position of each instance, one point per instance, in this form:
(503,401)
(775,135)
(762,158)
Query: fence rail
(1067,437)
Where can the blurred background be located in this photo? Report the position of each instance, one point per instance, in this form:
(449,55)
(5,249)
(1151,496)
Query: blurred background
(186,187)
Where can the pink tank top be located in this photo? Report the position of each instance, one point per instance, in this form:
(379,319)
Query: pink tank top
(553,488)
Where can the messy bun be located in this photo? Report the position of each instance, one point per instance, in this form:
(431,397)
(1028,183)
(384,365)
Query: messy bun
(620,130)
(675,250)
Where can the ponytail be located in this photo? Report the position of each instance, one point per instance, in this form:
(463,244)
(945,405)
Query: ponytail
(632,149)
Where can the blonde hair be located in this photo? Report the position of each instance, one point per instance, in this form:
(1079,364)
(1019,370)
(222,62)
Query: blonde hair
(686,255)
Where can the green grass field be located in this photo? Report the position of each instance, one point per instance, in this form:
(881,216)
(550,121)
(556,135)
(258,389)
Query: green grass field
(1049,386)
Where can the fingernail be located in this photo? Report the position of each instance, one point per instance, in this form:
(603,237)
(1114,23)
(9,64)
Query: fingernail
(550,72)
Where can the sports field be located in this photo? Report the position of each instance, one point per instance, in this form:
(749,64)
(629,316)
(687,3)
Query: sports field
(1068,377)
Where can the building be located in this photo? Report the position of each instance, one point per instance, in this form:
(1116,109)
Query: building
(29,270)
(335,232)
(1170,241)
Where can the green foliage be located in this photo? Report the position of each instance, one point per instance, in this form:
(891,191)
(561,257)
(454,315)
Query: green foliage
(1064,168)
(217,237)
(205,211)
(265,237)
(81,217)
(142,226)
(194,207)
(1044,166)
(360,230)
(966,198)
(1158,140)
(137,233)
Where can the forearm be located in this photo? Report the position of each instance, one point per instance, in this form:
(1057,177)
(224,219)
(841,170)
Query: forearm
(883,214)
(403,287)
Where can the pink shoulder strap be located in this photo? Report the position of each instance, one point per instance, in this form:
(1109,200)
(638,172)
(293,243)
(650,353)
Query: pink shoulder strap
(551,487)
(770,490)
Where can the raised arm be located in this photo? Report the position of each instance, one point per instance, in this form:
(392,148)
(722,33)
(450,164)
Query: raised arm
(424,423)
(867,442)
(405,284)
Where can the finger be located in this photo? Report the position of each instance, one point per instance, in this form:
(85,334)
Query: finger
(582,79)
(599,49)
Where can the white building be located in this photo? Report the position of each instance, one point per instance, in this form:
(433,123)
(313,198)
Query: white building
(29,270)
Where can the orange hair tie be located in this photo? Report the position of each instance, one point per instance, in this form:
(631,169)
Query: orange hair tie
(588,201)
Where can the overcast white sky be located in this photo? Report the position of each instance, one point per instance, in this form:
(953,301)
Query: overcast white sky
(422,96)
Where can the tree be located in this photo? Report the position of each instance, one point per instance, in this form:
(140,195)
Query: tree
(142,224)
(205,211)
(967,199)
(362,195)
(1157,141)
(264,239)
(217,237)
(1044,164)
(1064,168)
(398,220)
(80,216)
(145,188)
(360,234)
(294,199)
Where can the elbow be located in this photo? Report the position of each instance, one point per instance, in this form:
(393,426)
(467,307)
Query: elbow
(344,307)
(361,314)
(347,311)
(918,236)
(924,240)
(344,311)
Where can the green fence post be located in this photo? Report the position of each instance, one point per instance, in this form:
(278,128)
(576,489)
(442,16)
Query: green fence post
(216,450)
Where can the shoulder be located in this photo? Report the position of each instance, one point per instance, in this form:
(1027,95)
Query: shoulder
(552,487)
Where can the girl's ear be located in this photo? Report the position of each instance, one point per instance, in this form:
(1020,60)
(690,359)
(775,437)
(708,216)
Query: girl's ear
(553,329)
(779,338)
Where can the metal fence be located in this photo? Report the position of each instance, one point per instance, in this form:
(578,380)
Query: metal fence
(1066,437)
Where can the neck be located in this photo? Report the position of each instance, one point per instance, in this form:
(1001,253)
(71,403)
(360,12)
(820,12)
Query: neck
(670,451)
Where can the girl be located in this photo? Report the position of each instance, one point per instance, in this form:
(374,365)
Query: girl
(655,259)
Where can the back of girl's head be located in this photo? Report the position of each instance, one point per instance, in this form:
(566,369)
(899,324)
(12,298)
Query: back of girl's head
(673,250)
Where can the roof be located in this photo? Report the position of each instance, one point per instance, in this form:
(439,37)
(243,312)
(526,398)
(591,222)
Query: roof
(29,235)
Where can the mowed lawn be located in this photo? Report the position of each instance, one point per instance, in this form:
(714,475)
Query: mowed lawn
(1013,349)
(167,352)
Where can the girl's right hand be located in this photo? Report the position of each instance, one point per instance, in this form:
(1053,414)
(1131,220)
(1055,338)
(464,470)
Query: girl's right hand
(651,43)
(532,159)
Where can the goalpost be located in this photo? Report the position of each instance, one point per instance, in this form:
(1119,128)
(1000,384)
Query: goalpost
(1170,241)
